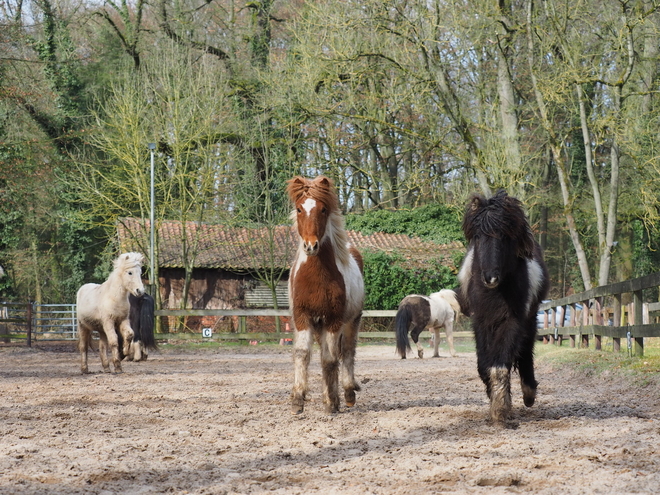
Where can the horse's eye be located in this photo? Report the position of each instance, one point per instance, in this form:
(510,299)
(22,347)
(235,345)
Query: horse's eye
(299,210)
(130,273)
(323,210)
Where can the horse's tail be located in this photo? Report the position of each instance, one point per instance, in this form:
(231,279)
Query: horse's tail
(401,325)
(147,322)
(450,296)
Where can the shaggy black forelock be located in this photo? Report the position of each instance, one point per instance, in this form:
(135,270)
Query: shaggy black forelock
(499,216)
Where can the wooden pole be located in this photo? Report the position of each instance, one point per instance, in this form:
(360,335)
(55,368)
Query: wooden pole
(573,323)
(585,322)
(28,317)
(638,342)
(616,341)
(598,320)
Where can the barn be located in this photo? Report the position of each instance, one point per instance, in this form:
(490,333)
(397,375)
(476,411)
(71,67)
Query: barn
(234,267)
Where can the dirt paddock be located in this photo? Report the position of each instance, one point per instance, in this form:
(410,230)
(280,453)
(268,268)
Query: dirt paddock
(218,422)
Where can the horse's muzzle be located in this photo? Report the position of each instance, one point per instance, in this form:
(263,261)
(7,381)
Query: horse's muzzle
(311,248)
(491,280)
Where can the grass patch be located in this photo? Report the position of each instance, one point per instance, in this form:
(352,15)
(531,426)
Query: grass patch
(592,361)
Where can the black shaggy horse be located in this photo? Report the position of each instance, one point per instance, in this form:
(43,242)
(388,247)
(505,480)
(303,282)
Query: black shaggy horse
(141,319)
(503,279)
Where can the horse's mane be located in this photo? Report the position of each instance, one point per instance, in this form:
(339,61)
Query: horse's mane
(322,189)
(127,260)
(499,216)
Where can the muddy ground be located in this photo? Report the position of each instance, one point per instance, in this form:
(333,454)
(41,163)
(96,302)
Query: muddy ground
(218,421)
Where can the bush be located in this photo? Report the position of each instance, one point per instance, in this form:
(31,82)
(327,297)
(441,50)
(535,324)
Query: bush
(387,280)
(438,223)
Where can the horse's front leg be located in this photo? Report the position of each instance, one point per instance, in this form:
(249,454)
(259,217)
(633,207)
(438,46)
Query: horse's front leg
(127,334)
(436,342)
(330,342)
(528,381)
(135,351)
(348,345)
(103,352)
(84,342)
(302,350)
(449,330)
(113,343)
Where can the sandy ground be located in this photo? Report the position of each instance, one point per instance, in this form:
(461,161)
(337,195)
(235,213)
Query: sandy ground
(218,422)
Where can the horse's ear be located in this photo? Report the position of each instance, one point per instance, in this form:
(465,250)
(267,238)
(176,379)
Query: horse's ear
(474,205)
(295,187)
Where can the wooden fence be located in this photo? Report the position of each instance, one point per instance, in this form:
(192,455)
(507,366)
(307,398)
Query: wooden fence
(242,332)
(599,312)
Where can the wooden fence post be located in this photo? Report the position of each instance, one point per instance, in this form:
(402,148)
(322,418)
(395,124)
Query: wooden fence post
(616,341)
(573,322)
(638,342)
(598,320)
(28,317)
(553,312)
(585,321)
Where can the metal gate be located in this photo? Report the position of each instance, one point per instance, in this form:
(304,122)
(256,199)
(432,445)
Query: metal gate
(54,322)
(30,321)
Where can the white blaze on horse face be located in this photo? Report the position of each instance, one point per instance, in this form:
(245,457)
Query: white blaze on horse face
(309,205)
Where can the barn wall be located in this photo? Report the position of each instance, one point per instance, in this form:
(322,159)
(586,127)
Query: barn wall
(216,289)
(209,289)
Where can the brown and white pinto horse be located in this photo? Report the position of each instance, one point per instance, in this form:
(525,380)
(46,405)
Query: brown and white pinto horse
(326,292)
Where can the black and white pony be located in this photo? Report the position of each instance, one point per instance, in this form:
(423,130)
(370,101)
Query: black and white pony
(503,279)
(141,318)
(417,313)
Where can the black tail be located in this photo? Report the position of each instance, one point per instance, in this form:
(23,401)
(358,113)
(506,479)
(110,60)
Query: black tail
(147,322)
(401,324)
(141,318)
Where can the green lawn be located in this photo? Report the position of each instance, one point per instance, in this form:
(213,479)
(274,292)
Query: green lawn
(593,361)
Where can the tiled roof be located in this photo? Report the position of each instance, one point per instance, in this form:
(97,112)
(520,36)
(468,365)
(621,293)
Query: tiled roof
(241,249)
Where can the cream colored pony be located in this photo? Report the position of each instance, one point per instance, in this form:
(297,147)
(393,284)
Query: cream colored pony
(105,308)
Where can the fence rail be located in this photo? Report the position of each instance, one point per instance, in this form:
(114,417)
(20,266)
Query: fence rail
(631,322)
(589,314)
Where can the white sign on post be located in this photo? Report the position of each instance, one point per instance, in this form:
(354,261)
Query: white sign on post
(207,332)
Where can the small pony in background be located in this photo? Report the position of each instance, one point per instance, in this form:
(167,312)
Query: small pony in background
(105,308)
(417,313)
(141,319)
(326,292)
(503,279)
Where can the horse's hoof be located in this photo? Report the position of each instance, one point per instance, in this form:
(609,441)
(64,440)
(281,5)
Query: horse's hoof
(297,405)
(403,357)
(420,353)
(331,408)
(529,397)
(84,371)
(349,395)
(106,370)
(436,355)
